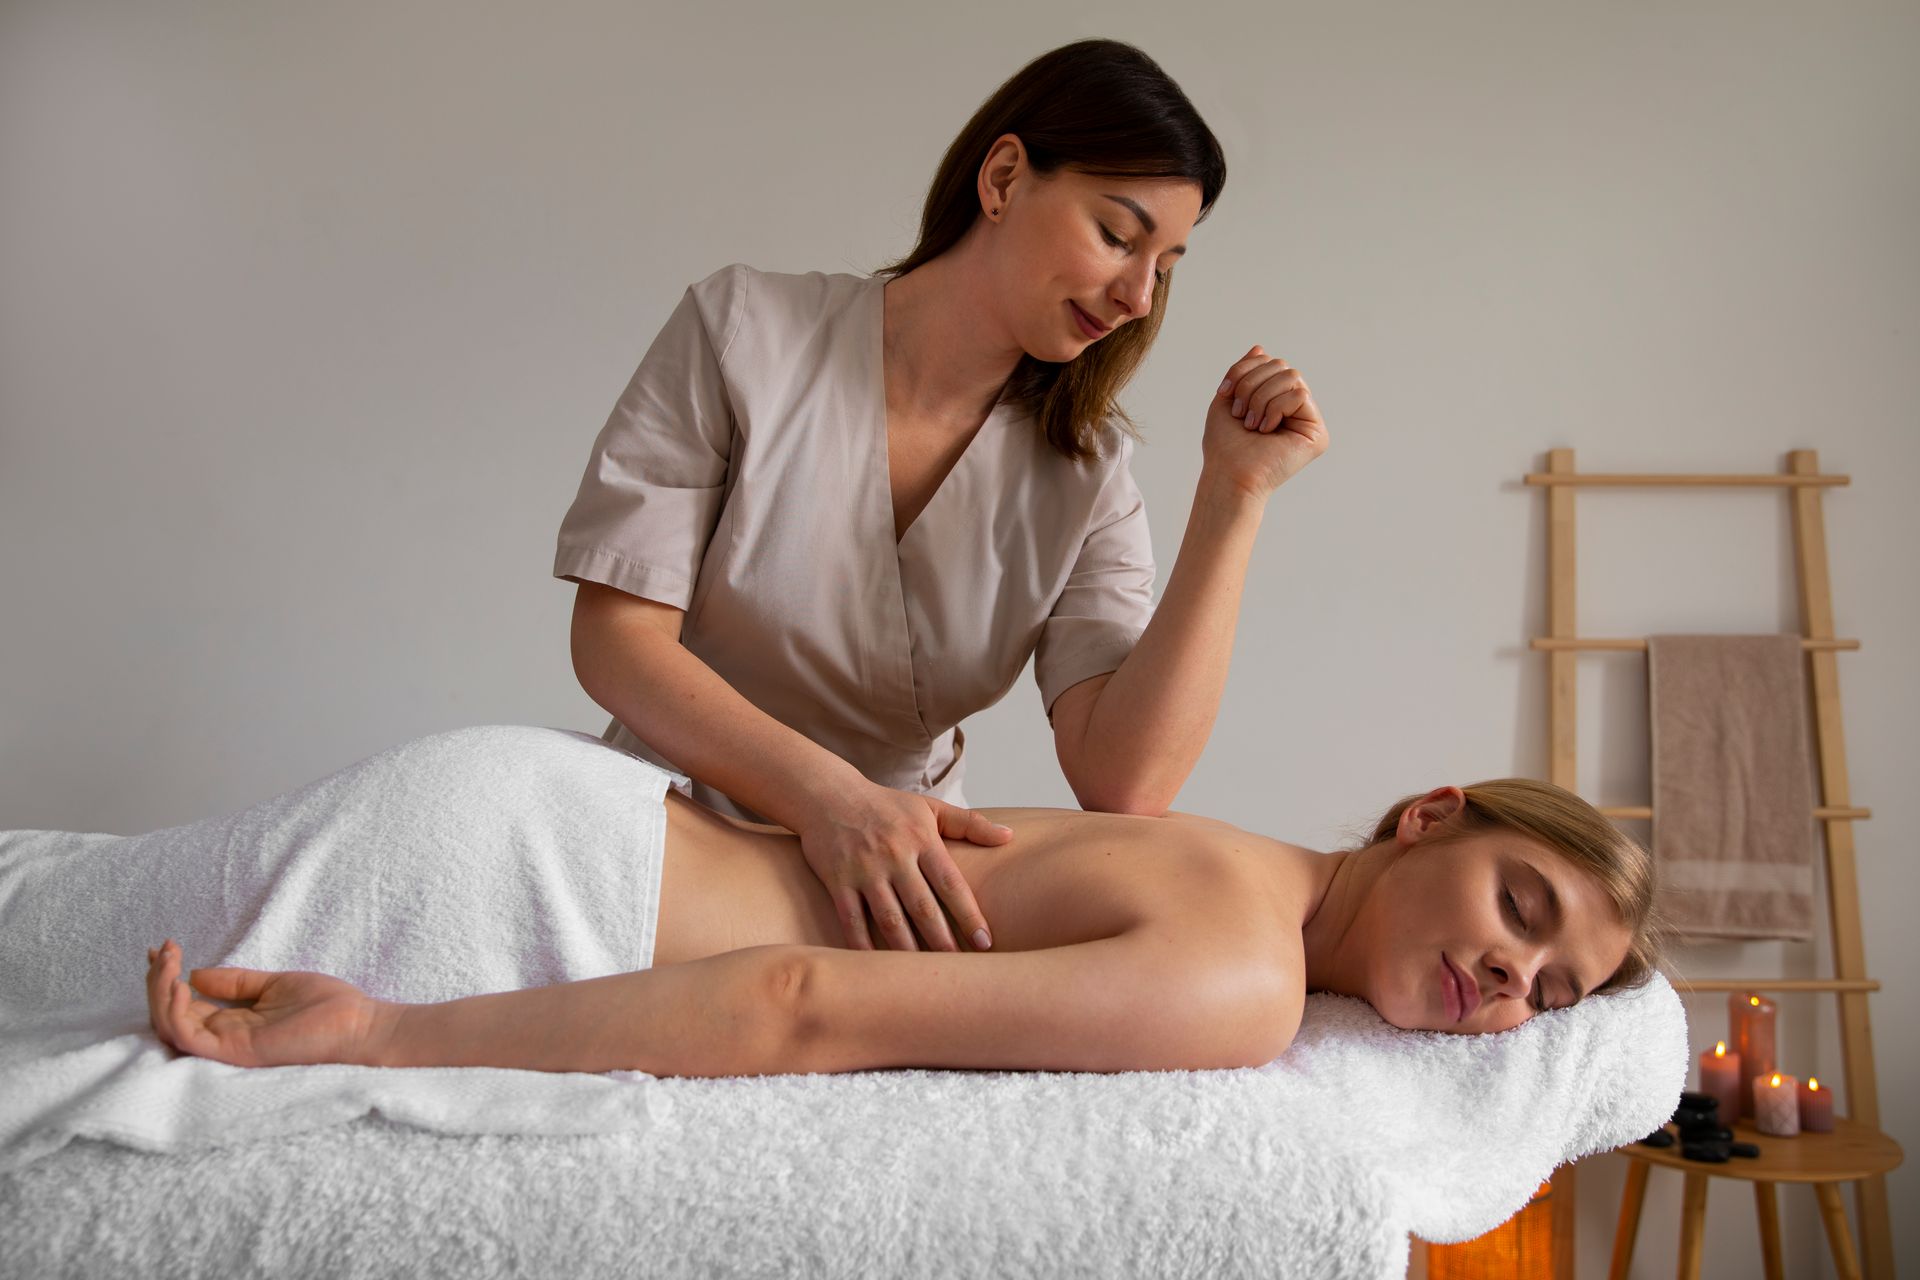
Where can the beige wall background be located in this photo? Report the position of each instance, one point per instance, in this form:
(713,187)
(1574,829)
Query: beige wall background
(309,315)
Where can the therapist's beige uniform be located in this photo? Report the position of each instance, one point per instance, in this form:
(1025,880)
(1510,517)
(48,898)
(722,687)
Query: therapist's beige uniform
(743,478)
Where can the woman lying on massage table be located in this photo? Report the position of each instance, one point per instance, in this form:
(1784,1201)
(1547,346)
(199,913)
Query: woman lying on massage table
(1124,943)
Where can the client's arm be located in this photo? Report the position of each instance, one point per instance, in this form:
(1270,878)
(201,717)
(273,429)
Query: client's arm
(1148,999)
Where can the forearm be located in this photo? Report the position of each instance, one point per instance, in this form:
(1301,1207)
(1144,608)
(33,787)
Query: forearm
(685,710)
(1152,718)
(729,1014)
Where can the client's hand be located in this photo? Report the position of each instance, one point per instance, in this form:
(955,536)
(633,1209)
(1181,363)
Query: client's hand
(879,849)
(296,1018)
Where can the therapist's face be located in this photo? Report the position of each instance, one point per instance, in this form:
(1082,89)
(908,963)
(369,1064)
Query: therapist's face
(1073,242)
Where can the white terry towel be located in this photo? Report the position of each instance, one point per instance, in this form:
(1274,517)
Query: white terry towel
(485,859)
(1315,1168)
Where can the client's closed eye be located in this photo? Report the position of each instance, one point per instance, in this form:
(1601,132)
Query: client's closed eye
(1536,998)
(1513,909)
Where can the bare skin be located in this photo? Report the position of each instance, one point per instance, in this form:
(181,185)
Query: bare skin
(1124,943)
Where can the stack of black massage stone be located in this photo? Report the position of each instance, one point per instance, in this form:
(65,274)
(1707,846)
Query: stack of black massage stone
(1702,1136)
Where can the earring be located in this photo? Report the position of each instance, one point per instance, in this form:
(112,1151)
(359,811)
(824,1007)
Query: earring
(996,209)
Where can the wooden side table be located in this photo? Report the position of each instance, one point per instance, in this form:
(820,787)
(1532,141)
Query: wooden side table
(1851,1152)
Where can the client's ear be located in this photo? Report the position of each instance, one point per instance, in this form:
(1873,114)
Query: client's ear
(1429,813)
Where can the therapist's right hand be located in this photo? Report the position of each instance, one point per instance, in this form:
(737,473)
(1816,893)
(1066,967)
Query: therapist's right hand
(879,850)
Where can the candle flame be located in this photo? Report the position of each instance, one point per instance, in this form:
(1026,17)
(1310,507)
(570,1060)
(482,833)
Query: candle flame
(1720,1049)
(1754,1001)
(1776,1079)
(1813,1084)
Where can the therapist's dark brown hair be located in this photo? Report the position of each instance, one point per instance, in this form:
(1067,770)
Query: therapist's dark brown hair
(1100,107)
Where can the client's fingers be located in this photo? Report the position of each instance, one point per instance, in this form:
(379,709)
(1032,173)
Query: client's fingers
(179,1011)
(157,994)
(168,1000)
(188,1020)
(178,1019)
(225,983)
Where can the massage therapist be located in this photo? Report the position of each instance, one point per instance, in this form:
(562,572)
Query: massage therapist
(833,515)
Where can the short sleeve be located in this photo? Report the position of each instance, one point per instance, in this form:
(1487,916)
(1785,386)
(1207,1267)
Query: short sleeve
(651,495)
(1108,599)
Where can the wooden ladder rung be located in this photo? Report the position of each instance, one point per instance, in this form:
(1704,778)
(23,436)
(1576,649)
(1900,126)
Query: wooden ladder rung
(1639,644)
(1776,984)
(1823,812)
(1787,480)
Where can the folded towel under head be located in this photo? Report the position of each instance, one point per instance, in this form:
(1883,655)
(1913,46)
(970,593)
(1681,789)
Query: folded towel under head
(1732,785)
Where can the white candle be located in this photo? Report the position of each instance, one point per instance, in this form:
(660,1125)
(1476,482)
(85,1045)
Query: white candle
(1776,1105)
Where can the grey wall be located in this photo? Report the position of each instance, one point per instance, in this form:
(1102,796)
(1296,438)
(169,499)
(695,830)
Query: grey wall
(309,314)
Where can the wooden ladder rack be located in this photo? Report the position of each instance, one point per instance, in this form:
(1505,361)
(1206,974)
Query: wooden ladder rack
(1836,813)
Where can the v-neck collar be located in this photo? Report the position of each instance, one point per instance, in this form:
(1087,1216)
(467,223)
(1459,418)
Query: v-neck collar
(882,450)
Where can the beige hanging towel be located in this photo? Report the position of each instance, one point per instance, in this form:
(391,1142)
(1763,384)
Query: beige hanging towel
(1732,785)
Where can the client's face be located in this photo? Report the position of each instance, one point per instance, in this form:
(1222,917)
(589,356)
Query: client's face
(1481,933)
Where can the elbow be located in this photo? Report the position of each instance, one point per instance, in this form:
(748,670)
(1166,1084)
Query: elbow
(604,647)
(1133,806)
(1122,797)
(585,645)
(1116,786)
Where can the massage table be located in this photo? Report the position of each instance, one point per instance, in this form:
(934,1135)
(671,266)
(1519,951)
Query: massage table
(120,1157)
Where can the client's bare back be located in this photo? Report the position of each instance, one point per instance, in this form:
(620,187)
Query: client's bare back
(1066,877)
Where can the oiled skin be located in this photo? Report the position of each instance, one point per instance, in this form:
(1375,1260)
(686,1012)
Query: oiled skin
(1066,877)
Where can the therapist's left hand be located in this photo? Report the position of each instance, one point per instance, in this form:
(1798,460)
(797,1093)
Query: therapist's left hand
(1262,425)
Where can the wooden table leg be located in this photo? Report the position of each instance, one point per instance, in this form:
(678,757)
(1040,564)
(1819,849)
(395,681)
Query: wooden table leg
(1769,1209)
(1693,1225)
(1631,1198)
(1834,1214)
(1562,1200)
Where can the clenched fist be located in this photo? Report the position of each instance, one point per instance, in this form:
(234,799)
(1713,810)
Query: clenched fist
(1262,425)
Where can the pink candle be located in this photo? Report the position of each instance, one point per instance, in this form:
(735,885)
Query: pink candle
(1776,1105)
(1751,1036)
(1720,1080)
(1816,1107)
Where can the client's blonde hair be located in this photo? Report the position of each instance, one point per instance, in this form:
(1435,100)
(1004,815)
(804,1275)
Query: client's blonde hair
(1577,832)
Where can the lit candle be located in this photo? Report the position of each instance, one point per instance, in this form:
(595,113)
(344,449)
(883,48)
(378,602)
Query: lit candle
(1776,1105)
(1751,1036)
(1720,1080)
(1816,1107)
